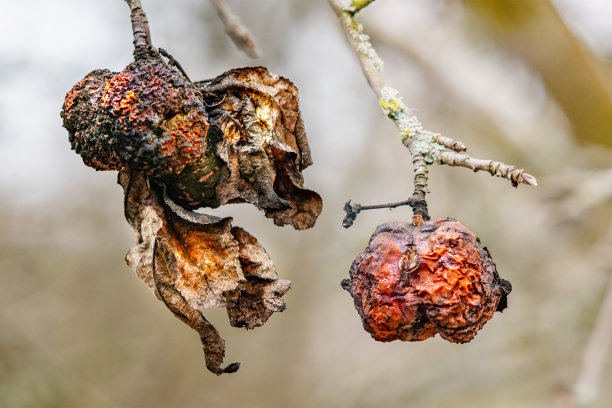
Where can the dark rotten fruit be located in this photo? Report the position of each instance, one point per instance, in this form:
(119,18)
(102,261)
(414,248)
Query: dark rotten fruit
(148,117)
(416,280)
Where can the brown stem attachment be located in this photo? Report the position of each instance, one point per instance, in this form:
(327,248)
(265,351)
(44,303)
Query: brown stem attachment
(140,30)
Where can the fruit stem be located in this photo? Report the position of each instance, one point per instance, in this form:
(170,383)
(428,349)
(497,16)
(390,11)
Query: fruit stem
(418,204)
(140,28)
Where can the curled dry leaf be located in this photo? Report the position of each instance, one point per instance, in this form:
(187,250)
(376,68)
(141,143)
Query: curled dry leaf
(416,280)
(262,293)
(260,149)
(193,262)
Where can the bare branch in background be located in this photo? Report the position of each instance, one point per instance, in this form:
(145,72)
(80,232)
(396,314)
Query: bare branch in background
(571,196)
(352,210)
(576,78)
(235,29)
(586,388)
(425,147)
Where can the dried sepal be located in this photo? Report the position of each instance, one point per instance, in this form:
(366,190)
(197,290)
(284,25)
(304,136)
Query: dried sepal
(414,281)
(193,262)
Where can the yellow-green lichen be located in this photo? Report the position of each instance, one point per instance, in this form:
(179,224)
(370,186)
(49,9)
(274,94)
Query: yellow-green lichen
(353,6)
(420,142)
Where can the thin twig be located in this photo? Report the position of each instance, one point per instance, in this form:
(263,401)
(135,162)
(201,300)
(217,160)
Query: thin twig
(514,174)
(352,210)
(594,360)
(235,29)
(172,61)
(425,147)
(140,29)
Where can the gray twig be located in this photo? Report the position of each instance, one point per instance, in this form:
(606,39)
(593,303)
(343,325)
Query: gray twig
(235,29)
(352,210)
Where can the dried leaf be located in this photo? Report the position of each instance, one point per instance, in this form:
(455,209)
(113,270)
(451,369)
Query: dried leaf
(263,144)
(262,295)
(193,262)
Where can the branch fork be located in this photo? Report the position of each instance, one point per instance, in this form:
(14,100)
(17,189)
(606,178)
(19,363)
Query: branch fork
(425,147)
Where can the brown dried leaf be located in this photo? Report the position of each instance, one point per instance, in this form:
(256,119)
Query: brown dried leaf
(262,295)
(193,262)
(264,144)
(203,257)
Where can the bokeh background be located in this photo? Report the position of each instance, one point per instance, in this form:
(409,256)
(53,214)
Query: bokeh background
(526,82)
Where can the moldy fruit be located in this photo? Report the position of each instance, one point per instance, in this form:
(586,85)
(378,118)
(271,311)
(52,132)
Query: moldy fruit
(416,280)
(147,116)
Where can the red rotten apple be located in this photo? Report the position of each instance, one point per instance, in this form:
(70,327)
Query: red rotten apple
(416,280)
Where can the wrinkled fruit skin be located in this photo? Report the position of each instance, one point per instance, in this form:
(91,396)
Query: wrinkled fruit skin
(413,282)
(147,116)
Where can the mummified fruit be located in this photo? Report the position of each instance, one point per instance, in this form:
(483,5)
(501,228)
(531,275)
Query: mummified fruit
(147,116)
(236,138)
(416,280)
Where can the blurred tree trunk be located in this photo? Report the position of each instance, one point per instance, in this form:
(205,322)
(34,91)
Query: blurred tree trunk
(573,75)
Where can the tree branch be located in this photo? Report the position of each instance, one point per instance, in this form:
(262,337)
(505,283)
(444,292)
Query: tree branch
(425,147)
(235,29)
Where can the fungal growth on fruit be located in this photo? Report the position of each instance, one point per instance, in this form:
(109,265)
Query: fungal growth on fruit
(148,117)
(179,146)
(416,280)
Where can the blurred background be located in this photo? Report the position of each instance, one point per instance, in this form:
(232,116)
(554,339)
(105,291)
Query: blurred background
(526,82)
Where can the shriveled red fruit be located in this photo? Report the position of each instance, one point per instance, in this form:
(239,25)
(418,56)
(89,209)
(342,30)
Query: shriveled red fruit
(416,280)
(148,117)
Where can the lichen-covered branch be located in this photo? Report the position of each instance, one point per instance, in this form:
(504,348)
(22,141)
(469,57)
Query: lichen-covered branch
(426,148)
(512,173)
(140,29)
(235,29)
